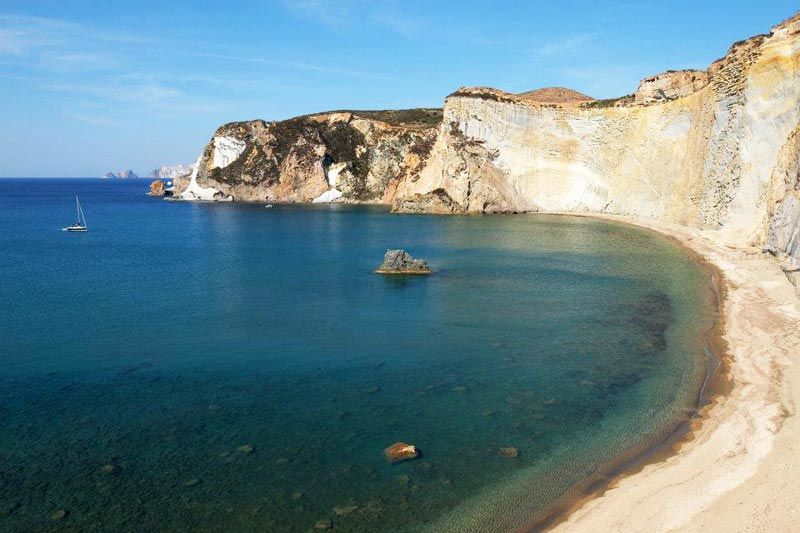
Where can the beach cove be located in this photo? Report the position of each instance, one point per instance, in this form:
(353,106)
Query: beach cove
(736,470)
(251,409)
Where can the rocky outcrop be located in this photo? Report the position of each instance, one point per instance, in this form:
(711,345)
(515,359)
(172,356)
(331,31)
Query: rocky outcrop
(401,262)
(345,156)
(715,149)
(157,188)
(670,85)
(171,171)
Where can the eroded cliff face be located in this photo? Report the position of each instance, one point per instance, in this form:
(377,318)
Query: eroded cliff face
(716,149)
(346,156)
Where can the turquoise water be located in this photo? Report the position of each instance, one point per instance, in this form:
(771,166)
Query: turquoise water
(173,334)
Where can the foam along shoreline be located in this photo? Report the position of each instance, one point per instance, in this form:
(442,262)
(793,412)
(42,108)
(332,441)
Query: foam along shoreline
(738,469)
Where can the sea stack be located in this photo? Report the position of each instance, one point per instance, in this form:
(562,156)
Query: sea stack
(401,262)
(157,188)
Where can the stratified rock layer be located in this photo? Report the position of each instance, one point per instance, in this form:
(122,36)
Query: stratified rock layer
(715,149)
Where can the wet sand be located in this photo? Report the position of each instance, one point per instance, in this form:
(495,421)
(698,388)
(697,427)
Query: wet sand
(737,466)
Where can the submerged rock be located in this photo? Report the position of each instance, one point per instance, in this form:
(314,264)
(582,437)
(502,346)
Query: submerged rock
(59,515)
(508,451)
(109,469)
(401,262)
(245,448)
(323,525)
(400,451)
(344,510)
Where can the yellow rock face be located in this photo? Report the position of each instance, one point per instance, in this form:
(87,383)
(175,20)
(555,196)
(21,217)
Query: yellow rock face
(704,159)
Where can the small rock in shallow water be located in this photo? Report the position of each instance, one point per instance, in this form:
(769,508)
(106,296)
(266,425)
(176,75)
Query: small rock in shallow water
(401,262)
(323,524)
(508,451)
(296,495)
(344,510)
(489,412)
(459,388)
(109,469)
(245,448)
(59,515)
(371,390)
(192,482)
(400,451)
(281,461)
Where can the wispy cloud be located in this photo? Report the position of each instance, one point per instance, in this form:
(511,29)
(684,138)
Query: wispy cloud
(149,94)
(565,46)
(93,120)
(297,65)
(23,35)
(343,14)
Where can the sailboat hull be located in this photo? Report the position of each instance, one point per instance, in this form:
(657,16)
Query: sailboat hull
(75,228)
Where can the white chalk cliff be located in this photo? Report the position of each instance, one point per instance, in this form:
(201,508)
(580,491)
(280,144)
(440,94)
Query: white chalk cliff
(716,149)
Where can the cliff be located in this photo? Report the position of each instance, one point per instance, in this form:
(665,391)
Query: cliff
(354,156)
(716,149)
(171,171)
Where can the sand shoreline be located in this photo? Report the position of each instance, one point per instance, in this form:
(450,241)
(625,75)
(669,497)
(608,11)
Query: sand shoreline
(736,467)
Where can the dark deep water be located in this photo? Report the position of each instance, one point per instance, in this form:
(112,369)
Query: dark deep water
(172,334)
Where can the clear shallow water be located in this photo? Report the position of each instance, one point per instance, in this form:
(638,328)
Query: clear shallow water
(171,334)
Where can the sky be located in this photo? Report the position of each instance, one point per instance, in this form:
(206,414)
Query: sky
(92,86)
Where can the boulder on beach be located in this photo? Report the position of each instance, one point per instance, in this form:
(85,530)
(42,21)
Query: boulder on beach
(400,451)
(401,262)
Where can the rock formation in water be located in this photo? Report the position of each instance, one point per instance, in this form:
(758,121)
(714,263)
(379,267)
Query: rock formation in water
(157,188)
(716,149)
(401,262)
(171,171)
(122,174)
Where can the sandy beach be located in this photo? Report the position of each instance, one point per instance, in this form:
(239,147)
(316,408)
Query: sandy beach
(739,469)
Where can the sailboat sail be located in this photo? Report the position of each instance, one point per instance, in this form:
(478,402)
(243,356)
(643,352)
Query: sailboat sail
(81,216)
(80,224)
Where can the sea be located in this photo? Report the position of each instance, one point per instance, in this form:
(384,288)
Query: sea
(231,367)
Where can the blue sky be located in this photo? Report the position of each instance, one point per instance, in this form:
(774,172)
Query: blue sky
(90,86)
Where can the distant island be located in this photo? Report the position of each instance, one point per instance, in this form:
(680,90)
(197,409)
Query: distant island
(164,172)
(122,175)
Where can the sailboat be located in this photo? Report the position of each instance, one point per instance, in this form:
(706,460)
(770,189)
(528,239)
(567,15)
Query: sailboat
(80,225)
